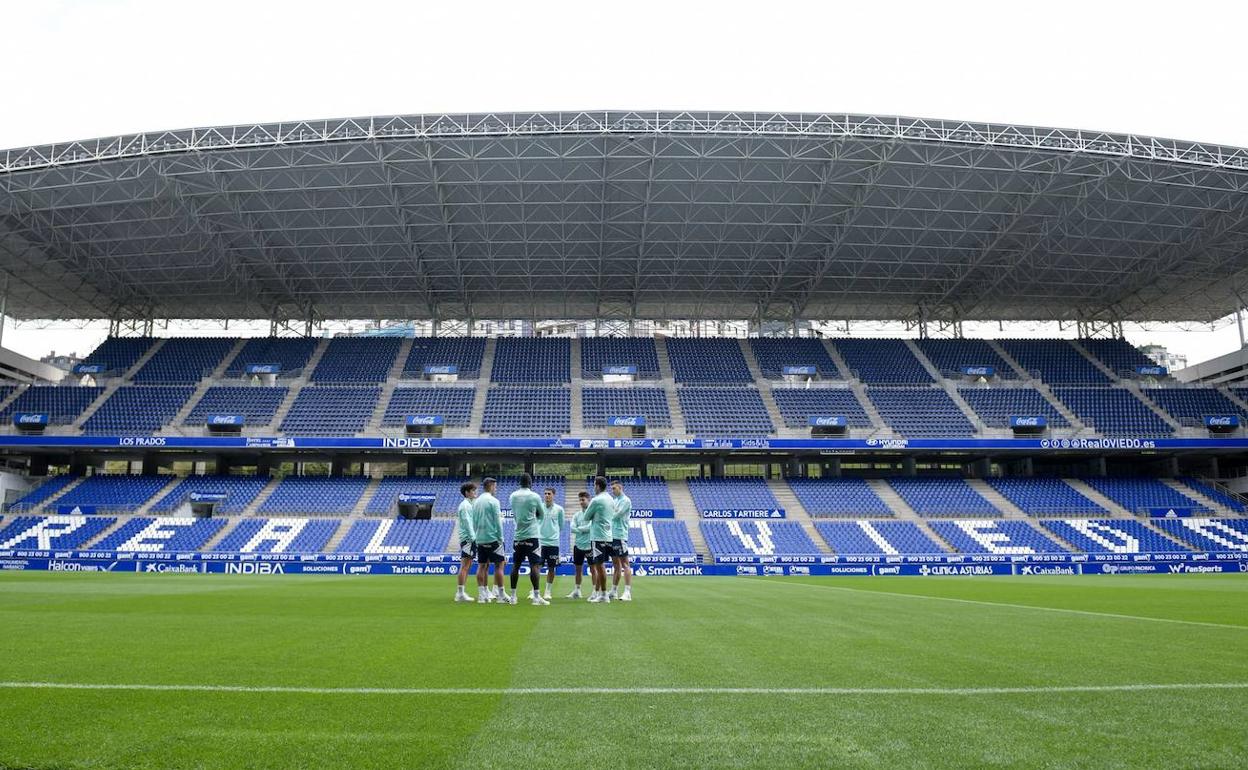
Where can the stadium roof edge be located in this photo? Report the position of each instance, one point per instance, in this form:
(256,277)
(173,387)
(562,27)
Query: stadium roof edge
(774,216)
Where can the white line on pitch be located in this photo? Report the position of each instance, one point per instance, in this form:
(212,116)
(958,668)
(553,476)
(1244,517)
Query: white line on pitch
(225,688)
(1008,605)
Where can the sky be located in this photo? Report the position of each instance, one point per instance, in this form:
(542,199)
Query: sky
(76,69)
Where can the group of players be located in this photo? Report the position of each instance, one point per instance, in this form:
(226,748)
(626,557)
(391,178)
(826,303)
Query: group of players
(599,529)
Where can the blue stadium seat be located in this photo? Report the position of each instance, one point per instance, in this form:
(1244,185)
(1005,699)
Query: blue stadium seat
(395,536)
(1002,537)
(1205,534)
(1138,495)
(62,403)
(1217,495)
(646,493)
(1045,497)
(732,493)
(775,353)
(138,409)
(532,361)
(384,501)
(239,491)
(877,538)
(943,497)
(1110,536)
(1117,354)
(118,354)
(184,360)
(597,404)
(454,404)
(1057,362)
(521,411)
(798,405)
(42,491)
(1113,411)
(658,539)
(180,534)
(845,497)
(114,492)
(1190,406)
(735,538)
(724,412)
(285,535)
(597,352)
(51,533)
(314,495)
(357,360)
(291,353)
(257,404)
(330,411)
(949,356)
(463,352)
(708,361)
(995,406)
(882,362)
(920,411)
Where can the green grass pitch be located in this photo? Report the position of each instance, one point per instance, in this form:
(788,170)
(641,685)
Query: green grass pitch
(1143,671)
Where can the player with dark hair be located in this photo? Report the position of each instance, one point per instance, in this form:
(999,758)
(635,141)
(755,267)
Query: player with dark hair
(487,522)
(549,532)
(580,544)
(467,539)
(622,509)
(599,514)
(526,507)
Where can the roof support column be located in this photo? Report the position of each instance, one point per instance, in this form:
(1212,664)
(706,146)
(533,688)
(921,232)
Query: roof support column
(4,304)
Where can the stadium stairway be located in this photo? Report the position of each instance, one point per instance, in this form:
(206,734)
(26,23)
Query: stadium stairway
(1100,365)
(1008,510)
(143,359)
(1228,392)
(47,506)
(902,510)
(687,511)
(922,359)
(4,402)
(1057,538)
(1022,373)
(795,511)
(143,510)
(1179,430)
(576,394)
(254,506)
(1087,490)
(950,387)
(1218,508)
(104,533)
(344,526)
(373,426)
(1076,425)
(283,409)
(764,390)
(219,535)
(483,387)
(218,374)
(835,355)
(109,390)
(668,383)
(357,510)
(313,360)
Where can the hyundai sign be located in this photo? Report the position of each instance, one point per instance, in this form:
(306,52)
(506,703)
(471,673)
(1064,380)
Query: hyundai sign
(207,497)
(441,369)
(828,421)
(979,371)
(227,419)
(1222,421)
(416,497)
(630,421)
(802,370)
(619,369)
(30,418)
(424,419)
(263,368)
(1028,421)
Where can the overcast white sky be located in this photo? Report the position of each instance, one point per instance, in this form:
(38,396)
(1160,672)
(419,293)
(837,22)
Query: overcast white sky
(82,68)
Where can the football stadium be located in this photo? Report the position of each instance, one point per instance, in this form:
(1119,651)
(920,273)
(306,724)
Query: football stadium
(629,355)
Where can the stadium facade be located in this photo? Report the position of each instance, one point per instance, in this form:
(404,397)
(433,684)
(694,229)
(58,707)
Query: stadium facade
(600,253)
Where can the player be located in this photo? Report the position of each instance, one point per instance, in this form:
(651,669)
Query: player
(598,514)
(622,509)
(549,531)
(580,544)
(526,506)
(487,522)
(467,539)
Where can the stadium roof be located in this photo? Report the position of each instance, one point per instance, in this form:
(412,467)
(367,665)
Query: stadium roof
(625,214)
